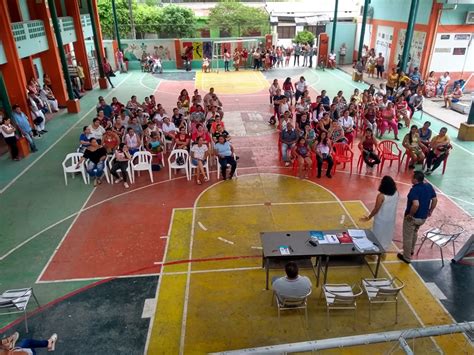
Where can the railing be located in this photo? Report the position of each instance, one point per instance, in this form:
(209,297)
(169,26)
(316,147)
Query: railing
(30,37)
(86,26)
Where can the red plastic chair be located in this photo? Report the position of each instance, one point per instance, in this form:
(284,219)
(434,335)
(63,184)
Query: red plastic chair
(389,150)
(342,154)
(445,162)
(280,157)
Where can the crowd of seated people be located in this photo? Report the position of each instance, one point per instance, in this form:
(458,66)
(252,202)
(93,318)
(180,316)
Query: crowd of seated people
(195,124)
(311,127)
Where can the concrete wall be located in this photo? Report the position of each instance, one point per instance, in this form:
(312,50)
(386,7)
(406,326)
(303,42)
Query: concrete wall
(345,33)
(398,10)
(456,17)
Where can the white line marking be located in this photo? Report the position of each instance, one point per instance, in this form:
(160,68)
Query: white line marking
(56,142)
(149,308)
(99,278)
(164,237)
(343,218)
(158,263)
(64,236)
(258,248)
(202,226)
(152,318)
(147,87)
(435,290)
(225,240)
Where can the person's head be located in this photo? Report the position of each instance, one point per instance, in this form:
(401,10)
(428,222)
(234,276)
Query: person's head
(130,131)
(96,122)
(323,93)
(291,270)
(356,91)
(199,127)
(100,114)
(121,146)
(166,119)
(390,105)
(387,186)
(446,73)
(6,120)
(369,132)
(380,54)
(211,90)
(278,92)
(413,129)
(287,80)
(431,73)
(93,142)
(302,78)
(302,141)
(16,108)
(154,135)
(304,117)
(289,126)
(443,131)
(133,98)
(326,116)
(133,120)
(427,124)
(86,130)
(418,177)
(346,113)
(339,93)
(394,70)
(221,139)
(275,82)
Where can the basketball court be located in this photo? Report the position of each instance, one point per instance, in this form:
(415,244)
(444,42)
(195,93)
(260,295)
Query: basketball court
(175,261)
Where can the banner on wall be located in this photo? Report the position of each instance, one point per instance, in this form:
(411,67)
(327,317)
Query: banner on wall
(416,49)
(138,49)
(207,49)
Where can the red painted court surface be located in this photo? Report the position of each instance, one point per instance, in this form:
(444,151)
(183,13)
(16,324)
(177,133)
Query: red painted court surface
(120,231)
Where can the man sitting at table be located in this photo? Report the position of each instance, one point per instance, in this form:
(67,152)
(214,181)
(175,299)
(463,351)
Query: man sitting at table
(293,285)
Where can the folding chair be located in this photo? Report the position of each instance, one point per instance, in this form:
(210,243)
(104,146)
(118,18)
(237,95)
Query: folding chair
(16,301)
(442,236)
(340,296)
(382,291)
(292,303)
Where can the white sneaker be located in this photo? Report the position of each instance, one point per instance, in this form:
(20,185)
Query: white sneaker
(126,185)
(118,180)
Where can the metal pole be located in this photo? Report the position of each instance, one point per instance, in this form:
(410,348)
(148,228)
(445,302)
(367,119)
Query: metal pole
(363,339)
(333,38)
(132,24)
(4,97)
(117,34)
(59,39)
(409,33)
(405,347)
(362,30)
(96,40)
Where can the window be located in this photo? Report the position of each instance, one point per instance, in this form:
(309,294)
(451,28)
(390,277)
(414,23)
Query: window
(316,30)
(462,37)
(445,36)
(286,31)
(459,51)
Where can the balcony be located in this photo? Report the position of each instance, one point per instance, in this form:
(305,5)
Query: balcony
(66,26)
(87,26)
(30,37)
(3,58)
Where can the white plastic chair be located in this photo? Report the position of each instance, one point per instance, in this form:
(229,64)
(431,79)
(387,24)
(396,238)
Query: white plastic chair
(179,153)
(106,170)
(141,161)
(219,167)
(129,170)
(72,168)
(194,167)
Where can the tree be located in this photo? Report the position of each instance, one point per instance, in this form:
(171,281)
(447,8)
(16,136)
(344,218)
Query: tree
(107,19)
(147,19)
(177,21)
(304,37)
(230,15)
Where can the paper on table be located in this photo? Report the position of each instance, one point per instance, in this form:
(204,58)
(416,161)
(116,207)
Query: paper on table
(363,243)
(357,233)
(331,239)
(284,251)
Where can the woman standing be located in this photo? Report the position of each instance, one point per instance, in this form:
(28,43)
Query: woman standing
(430,85)
(384,212)
(8,132)
(392,81)
(108,72)
(226,59)
(288,90)
(122,157)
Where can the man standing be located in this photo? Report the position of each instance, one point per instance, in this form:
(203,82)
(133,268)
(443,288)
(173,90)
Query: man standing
(420,205)
(342,54)
(380,66)
(24,125)
(288,140)
(296,54)
(293,285)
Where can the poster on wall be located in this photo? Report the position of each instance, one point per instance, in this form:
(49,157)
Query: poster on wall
(383,42)
(139,49)
(416,49)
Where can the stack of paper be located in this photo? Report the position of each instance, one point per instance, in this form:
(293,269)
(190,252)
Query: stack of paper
(363,243)
(357,233)
(331,239)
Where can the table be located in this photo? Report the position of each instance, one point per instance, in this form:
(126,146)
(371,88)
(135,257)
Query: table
(301,251)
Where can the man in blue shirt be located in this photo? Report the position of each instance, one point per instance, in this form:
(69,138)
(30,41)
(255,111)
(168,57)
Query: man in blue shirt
(24,126)
(421,202)
(225,152)
(288,138)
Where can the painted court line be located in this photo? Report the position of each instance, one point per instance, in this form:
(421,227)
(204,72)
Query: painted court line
(202,226)
(225,240)
(435,291)
(24,171)
(149,308)
(64,236)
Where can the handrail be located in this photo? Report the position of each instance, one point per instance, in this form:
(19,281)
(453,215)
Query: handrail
(363,339)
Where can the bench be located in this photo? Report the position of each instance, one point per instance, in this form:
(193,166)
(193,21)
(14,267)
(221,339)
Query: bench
(461,107)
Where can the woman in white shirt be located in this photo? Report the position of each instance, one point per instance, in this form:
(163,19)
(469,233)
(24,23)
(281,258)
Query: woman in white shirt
(132,140)
(384,212)
(323,153)
(272,90)
(199,154)
(8,132)
(347,123)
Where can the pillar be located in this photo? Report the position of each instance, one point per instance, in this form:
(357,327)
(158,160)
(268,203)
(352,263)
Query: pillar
(50,59)
(177,50)
(99,49)
(362,29)
(409,34)
(431,37)
(116,28)
(4,97)
(80,50)
(333,37)
(466,130)
(12,71)
(72,104)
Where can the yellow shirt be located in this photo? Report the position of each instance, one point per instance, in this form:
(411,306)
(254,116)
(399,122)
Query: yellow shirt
(392,80)
(80,72)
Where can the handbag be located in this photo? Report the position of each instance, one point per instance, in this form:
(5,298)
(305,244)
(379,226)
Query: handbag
(38,120)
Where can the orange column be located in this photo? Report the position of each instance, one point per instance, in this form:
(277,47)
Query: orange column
(50,58)
(12,70)
(430,37)
(72,8)
(103,84)
(29,68)
(268,41)
(177,50)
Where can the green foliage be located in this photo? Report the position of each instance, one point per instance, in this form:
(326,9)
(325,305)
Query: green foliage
(177,21)
(107,19)
(147,19)
(304,37)
(228,15)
